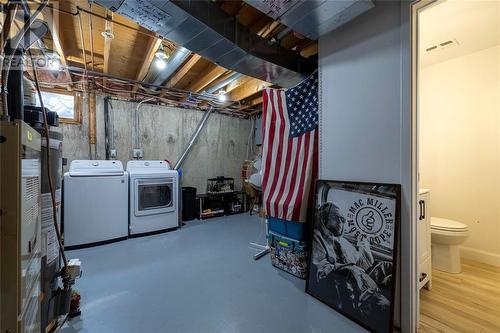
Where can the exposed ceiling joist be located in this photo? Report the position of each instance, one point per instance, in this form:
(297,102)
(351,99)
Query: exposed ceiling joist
(206,78)
(260,24)
(310,50)
(220,79)
(251,87)
(236,83)
(183,70)
(269,29)
(251,103)
(153,45)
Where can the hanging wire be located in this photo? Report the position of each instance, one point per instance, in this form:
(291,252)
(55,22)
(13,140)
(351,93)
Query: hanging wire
(49,169)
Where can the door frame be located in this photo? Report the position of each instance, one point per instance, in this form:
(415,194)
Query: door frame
(416,7)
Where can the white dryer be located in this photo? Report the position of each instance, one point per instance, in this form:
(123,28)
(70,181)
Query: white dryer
(153,197)
(95,203)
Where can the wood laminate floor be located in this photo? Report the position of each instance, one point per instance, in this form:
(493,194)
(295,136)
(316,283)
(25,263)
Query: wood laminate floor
(465,302)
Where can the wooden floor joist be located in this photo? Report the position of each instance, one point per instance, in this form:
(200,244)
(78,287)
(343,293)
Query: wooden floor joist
(248,89)
(206,78)
(183,70)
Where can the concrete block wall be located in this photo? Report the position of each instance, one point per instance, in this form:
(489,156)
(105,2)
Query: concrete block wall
(164,133)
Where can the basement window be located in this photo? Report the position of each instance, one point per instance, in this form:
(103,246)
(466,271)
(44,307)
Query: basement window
(63,103)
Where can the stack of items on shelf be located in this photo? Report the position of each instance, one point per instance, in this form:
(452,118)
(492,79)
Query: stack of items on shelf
(221,199)
(220,185)
(288,246)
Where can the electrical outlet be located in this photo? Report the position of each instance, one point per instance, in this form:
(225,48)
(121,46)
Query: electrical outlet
(137,153)
(113,153)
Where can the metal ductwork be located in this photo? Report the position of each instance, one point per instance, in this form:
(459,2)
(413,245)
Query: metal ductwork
(223,83)
(202,27)
(312,18)
(158,77)
(195,136)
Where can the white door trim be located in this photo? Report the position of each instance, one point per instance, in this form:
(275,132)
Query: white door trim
(416,7)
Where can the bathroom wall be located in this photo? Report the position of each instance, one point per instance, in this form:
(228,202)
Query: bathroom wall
(164,132)
(365,119)
(460,146)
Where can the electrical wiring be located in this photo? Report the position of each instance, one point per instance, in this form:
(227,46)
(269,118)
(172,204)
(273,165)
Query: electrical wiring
(49,169)
(179,95)
(115,22)
(145,89)
(170,96)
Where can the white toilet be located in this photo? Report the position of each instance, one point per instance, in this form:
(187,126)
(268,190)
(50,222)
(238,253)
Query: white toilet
(446,236)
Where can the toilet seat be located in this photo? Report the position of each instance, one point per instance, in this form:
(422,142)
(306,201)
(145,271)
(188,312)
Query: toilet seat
(438,223)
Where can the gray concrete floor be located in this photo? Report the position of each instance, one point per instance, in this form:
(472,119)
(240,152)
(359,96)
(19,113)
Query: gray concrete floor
(201,278)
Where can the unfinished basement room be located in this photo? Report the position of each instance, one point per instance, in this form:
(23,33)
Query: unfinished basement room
(247,166)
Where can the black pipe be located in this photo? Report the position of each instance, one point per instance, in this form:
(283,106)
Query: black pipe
(15,97)
(106,126)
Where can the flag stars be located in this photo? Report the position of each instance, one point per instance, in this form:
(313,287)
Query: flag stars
(301,102)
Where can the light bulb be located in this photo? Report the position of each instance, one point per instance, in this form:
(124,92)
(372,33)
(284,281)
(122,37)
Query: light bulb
(160,63)
(161,54)
(222,97)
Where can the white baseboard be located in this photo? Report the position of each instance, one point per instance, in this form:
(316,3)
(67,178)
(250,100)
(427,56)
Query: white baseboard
(480,255)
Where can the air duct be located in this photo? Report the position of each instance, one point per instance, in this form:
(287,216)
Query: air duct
(202,27)
(223,83)
(312,18)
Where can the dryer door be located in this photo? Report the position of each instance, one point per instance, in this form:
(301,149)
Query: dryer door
(154,196)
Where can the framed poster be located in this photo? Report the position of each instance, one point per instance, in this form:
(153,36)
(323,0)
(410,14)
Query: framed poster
(354,250)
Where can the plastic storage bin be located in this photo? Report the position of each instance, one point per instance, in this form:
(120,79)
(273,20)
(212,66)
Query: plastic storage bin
(288,254)
(294,230)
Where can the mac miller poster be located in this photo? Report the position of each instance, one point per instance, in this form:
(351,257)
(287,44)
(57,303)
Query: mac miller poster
(353,259)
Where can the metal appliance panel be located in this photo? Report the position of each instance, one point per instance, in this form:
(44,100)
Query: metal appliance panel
(20,235)
(95,209)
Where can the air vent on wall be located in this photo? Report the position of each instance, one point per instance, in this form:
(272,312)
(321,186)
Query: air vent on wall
(443,45)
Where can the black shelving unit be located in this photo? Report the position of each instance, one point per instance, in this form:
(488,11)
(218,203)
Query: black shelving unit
(220,201)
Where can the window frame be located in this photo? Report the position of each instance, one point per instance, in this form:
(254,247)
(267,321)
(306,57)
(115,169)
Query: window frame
(77,112)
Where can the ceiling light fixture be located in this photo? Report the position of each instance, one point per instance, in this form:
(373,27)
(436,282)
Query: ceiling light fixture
(161,54)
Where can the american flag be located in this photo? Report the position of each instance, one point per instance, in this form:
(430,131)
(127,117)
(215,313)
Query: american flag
(289,149)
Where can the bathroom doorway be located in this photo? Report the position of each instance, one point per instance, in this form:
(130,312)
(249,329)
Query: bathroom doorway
(457,153)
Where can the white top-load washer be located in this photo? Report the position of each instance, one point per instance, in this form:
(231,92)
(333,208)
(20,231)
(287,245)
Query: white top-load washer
(153,196)
(95,203)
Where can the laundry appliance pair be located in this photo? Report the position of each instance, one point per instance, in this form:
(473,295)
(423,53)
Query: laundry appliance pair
(103,202)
